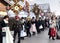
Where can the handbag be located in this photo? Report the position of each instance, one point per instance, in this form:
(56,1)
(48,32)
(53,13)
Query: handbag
(23,34)
(4,31)
(40,27)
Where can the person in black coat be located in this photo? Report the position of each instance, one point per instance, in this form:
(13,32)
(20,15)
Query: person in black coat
(23,27)
(28,26)
(37,25)
(40,22)
(49,33)
(17,28)
(0,33)
(59,23)
(43,23)
(47,22)
(3,24)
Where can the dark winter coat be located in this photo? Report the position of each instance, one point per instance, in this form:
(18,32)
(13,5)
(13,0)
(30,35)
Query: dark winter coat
(17,26)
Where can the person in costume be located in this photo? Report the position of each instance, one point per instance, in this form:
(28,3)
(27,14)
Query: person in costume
(6,31)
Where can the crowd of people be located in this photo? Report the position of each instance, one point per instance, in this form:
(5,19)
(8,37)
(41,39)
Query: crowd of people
(26,27)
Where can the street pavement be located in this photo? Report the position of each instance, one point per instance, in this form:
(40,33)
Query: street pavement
(40,38)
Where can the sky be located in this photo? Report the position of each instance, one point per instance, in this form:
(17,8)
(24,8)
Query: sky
(54,4)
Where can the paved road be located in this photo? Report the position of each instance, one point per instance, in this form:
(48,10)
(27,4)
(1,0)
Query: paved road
(40,38)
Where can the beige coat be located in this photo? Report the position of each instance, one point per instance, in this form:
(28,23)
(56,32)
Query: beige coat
(53,24)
